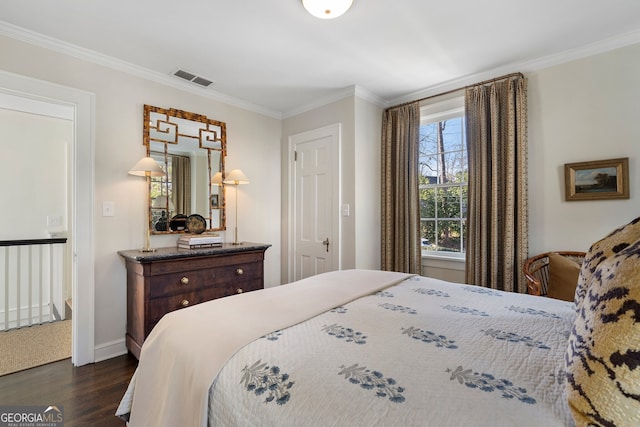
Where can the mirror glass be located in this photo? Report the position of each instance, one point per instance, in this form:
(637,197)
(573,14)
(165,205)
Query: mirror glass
(191,149)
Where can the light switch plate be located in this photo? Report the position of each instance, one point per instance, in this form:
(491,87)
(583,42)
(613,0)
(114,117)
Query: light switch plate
(54,221)
(108,209)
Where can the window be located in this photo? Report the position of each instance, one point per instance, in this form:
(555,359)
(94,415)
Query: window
(161,185)
(443,179)
(160,194)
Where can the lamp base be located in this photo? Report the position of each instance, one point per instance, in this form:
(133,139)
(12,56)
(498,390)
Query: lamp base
(147,250)
(235,234)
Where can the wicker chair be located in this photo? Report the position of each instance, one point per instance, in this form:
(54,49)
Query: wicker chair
(536,270)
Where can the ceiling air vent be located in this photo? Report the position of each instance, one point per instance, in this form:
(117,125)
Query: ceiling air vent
(201,81)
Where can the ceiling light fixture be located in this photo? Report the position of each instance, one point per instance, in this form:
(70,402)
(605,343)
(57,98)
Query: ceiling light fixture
(327,9)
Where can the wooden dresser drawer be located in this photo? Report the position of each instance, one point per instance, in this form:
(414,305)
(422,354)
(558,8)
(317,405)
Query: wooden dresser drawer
(160,306)
(185,281)
(202,263)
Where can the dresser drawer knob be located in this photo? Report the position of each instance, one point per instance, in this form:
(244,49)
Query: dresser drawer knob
(239,271)
(239,291)
(184,280)
(184,302)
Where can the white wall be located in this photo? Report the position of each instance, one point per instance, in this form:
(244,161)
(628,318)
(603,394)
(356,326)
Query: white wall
(360,176)
(580,111)
(35,136)
(367,184)
(337,112)
(31,188)
(449,269)
(253,145)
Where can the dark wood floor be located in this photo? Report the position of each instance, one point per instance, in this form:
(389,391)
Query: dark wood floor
(89,394)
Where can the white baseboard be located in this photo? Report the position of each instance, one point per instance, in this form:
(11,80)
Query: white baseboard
(110,350)
(24,316)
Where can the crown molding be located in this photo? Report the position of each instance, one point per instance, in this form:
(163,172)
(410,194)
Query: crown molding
(18,33)
(371,97)
(527,66)
(349,91)
(591,49)
(320,102)
(37,39)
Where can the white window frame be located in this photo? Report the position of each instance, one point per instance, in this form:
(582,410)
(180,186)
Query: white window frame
(438,111)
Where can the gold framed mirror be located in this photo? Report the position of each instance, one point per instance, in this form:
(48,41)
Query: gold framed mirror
(191,149)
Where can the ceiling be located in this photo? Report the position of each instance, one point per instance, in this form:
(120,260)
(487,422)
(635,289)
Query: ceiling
(274,57)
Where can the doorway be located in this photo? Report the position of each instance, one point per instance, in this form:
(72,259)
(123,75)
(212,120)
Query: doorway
(315,196)
(80,106)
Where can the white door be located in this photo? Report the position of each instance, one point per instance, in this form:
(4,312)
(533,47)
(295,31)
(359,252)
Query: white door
(316,224)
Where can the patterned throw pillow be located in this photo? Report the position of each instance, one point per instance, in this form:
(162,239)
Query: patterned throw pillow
(603,355)
(563,277)
(599,251)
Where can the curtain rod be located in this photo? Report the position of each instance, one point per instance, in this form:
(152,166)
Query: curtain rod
(484,82)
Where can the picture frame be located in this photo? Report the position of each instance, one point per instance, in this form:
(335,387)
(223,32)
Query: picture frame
(215,204)
(597,180)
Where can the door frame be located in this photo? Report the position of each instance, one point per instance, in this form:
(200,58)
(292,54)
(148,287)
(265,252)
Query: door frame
(334,131)
(82,221)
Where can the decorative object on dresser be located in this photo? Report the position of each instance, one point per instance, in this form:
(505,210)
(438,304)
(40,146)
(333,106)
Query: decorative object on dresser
(178,222)
(199,241)
(171,278)
(147,167)
(196,224)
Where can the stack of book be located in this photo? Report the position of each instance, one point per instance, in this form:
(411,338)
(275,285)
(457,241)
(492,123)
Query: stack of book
(197,241)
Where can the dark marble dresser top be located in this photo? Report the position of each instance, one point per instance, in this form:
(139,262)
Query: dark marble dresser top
(161,254)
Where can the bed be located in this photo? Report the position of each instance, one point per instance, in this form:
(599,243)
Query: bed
(361,347)
(412,351)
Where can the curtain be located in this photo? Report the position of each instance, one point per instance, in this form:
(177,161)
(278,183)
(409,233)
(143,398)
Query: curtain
(181,183)
(401,250)
(496,117)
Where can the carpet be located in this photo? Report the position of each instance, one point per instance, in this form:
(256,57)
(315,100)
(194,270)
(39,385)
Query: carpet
(33,346)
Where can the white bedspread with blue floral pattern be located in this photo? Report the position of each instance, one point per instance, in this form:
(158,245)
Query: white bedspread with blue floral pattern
(422,353)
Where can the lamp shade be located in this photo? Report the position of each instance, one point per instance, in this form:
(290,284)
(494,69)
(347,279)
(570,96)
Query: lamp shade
(327,9)
(163,202)
(146,167)
(236,177)
(217,179)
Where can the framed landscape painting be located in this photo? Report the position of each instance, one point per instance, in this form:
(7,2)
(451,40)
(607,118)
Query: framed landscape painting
(597,180)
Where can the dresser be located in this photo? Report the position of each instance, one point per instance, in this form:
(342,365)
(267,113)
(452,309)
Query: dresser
(169,279)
